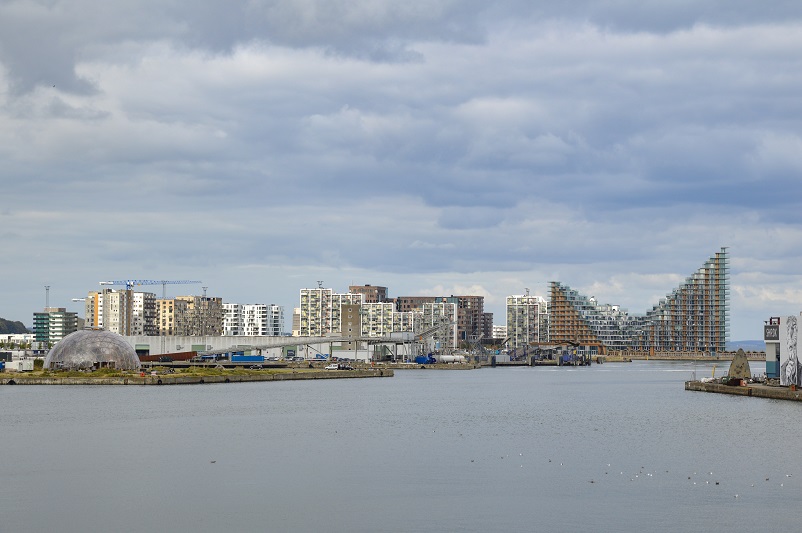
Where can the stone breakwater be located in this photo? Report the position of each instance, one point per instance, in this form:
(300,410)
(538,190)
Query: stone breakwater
(178,379)
(755,389)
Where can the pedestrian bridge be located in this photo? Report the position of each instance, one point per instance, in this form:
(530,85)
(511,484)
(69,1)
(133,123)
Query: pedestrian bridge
(211,345)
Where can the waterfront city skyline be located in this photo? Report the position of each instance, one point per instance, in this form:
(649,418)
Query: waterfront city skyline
(434,148)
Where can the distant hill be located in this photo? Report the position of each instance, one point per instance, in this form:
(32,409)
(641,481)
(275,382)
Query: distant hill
(7,326)
(748,346)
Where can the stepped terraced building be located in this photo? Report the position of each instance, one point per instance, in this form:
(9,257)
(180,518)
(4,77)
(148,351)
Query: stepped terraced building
(692,319)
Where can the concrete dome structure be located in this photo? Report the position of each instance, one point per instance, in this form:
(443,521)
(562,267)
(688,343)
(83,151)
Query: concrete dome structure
(88,349)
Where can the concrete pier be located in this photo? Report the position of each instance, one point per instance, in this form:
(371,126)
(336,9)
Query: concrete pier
(755,389)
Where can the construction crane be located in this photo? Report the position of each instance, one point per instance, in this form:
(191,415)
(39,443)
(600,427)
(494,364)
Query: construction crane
(476,345)
(130,283)
(440,330)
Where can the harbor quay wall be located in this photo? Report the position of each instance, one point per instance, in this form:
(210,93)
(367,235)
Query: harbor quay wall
(436,366)
(674,356)
(755,390)
(177,379)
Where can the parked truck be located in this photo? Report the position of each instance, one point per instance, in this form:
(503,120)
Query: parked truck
(425,359)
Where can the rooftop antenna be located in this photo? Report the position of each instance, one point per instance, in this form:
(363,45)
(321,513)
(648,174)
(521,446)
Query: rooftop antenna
(527,290)
(47,297)
(319,284)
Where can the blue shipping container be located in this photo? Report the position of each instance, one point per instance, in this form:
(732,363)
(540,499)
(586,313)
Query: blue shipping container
(247,359)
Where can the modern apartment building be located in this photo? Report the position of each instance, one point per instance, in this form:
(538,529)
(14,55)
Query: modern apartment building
(203,316)
(372,293)
(487,327)
(54,324)
(296,322)
(411,303)
(121,311)
(275,320)
(253,319)
(115,311)
(499,333)
(693,318)
(381,319)
(232,319)
(471,319)
(93,310)
(576,319)
(143,314)
(472,322)
(441,315)
(527,320)
(320,311)
(170,316)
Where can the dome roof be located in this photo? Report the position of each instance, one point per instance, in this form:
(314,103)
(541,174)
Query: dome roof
(92,349)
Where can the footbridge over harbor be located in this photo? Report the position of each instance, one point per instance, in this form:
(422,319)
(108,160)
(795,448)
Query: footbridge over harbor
(355,347)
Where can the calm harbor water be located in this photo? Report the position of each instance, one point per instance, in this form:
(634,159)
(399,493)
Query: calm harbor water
(614,447)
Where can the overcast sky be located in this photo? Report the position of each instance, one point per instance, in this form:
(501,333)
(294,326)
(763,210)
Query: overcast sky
(431,146)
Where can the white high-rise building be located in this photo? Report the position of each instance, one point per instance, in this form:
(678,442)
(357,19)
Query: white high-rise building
(232,319)
(143,317)
(115,311)
(275,320)
(527,320)
(253,319)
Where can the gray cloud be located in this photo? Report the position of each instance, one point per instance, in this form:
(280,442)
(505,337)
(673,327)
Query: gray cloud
(435,144)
